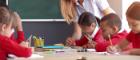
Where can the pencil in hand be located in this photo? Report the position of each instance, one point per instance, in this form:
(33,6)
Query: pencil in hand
(112,48)
(30,40)
(109,37)
(90,40)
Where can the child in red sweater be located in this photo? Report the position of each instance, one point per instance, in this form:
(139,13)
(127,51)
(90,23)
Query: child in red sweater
(111,30)
(7,44)
(87,23)
(133,18)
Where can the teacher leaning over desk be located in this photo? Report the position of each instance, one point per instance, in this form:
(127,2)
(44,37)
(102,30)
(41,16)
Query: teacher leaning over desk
(72,9)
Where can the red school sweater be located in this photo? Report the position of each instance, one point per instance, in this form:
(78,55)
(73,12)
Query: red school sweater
(117,38)
(134,39)
(9,46)
(102,43)
(20,37)
(97,38)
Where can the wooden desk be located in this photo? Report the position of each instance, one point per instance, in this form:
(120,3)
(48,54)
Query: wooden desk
(76,55)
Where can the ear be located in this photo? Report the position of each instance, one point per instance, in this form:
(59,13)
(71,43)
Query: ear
(3,27)
(93,25)
(116,29)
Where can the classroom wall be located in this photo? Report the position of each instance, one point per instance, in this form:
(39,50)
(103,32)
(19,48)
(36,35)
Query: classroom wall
(116,5)
(55,32)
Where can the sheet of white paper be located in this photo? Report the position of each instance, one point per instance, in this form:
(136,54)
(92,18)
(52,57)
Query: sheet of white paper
(91,50)
(33,56)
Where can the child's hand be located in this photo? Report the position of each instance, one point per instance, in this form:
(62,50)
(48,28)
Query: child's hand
(25,44)
(33,49)
(113,49)
(90,45)
(70,42)
(18,21)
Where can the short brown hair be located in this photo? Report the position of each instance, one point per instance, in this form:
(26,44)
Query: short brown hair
(112,20)
(134,11)
(5,15)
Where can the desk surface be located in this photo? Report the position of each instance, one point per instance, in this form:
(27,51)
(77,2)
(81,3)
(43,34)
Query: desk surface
(72,55)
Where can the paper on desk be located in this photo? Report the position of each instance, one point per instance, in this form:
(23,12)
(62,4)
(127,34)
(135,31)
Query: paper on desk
(33,56)
(91,50)
(100,53)
(106,53)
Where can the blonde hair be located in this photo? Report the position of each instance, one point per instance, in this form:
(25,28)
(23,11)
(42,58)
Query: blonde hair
(5,15)
(13,18)
(68,10)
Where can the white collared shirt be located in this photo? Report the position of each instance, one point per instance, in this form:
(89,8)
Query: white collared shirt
(93,6)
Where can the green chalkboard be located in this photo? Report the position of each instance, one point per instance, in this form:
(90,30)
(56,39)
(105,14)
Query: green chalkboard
(36,9)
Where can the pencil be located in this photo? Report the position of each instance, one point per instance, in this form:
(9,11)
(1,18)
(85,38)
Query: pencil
(30,40)
(89,38)
(109,37)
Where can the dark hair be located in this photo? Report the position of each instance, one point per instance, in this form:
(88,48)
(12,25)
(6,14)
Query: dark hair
(87,19)
(112,20)
(134,11)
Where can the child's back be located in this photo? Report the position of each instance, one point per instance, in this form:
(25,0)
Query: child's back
(7,45)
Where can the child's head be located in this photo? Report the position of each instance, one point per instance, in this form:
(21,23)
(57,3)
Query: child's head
(110,25)
(133,17)
(87,22)
(6,21)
